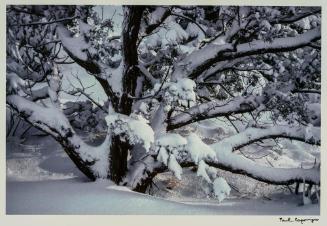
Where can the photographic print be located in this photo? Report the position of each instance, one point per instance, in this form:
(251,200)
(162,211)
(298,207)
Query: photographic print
(163,110)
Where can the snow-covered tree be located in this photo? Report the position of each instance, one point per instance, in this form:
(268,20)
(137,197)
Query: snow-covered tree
(256,68)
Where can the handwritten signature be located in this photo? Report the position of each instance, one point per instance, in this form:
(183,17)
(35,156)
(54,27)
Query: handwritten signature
(298,220)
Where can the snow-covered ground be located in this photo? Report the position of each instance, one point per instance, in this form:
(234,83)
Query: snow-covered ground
(77,196)
(42,180)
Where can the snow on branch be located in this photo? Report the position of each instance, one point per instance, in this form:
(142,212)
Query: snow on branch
(307,134)
(294,18)
(156,18)
(48,119)
(79,50)
(86,56)
(200,60)
(90,160)
(277,45)
(214,109)
(192,151)
(22,72)
(219,67)
(39,94)
(227,160)
(280,176)
(134,129)
(235,163)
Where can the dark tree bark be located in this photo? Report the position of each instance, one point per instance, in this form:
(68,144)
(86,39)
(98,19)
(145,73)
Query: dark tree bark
(132,21)
(118,159)
(119,149)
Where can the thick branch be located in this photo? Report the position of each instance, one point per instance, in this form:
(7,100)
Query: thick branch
(238,164)
(232,162)
(151,27)
(53,122)
(215,109)
(79,50)
(252,135)
(220,67)
(199,61)
(143,171)
(277,45)
(279,176)
(191,20)
(38,94)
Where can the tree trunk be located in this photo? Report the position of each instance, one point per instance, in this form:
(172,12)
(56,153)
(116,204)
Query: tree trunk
(119,149)
(83,166)
(146,182)
(118,159)
(132,22)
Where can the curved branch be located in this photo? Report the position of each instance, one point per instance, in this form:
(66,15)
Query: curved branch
(227,160)
(232,162)
(252,135)
(277,45)
(279,176)
(142,172)
(77,48)
(151,27)
(53,122)
(199,61)
(214,109)
(191,20)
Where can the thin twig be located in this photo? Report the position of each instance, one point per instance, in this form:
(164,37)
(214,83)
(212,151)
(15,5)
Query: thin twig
(47,22)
